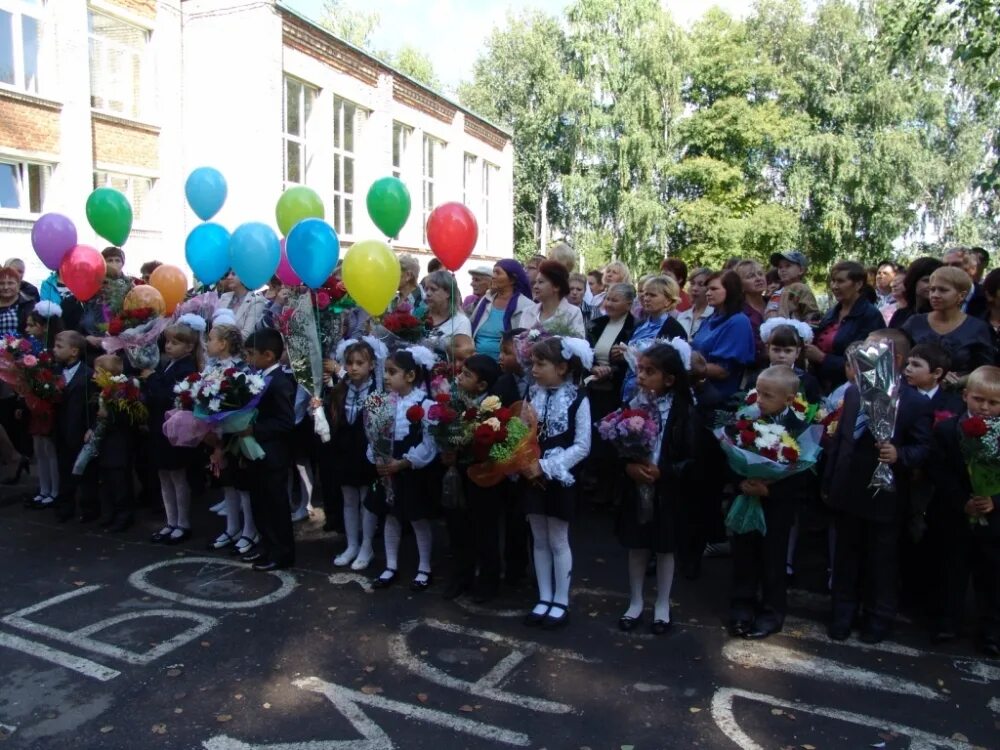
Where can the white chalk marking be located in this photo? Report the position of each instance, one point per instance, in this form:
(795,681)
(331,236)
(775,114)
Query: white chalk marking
(81,637)
(138,580)
(780,659)
(86,667)
(982,672)
(810,631)
(373,737)
(646,687)
(343,579)
(994,705)
(6,730)
(489,685)
(722,713)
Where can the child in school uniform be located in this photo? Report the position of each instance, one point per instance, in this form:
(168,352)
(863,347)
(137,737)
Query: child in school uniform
(182,348)
(44,323)
(925,371)
(674,472)
(965,527)
(759,560)
(361,362)
(564,428)
(269,475)
(407,373)
(115,456)
(76,413)
(867,523)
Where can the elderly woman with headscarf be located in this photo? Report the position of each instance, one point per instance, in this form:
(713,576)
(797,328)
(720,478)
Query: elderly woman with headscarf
(500,310)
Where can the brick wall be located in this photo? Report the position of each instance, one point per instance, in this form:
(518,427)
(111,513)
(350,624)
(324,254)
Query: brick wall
(28,125)
(144,8)
(121,142)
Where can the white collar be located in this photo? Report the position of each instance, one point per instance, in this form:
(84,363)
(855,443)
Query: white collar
(930,393)
(416,396)
(70,372)
(271,369)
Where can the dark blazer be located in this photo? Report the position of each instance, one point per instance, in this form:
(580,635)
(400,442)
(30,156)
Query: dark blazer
(850,463)
(77,410)
(978,305)
(276,420)
(116,449)
(952,487)
(947,401)
(862,320)
(158,390)
(597,330)
(671,329)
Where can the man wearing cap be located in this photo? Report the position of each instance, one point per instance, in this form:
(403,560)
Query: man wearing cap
(793,299)
(480,277)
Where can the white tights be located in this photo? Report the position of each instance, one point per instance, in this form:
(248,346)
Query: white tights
(637,561)
(176,497)
(553,559)
(305,473)
(360,523)
(237,503)
(48,466)
(393,532)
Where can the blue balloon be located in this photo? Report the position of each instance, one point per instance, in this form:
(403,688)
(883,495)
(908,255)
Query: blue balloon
(313,249)
(254,253)
(206,192)
(207,252)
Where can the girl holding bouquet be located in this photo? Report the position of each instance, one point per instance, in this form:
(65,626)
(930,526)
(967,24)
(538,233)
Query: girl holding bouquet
(360,361)
(407,373)
(44,323)
(564,427)
(671,471)
(183,358)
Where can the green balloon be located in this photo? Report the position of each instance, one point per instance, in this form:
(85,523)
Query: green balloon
(110,214)
(295,204)
(389,205)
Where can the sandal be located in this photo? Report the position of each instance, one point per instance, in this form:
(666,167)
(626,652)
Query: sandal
(222,541)
(423,585)
(383,582)
(533,619)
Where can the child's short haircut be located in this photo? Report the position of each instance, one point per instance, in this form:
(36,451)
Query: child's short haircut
(266,340)
(900,341)
(110,364)
(934,355)
(781,375)
(113,252)
(985,379)
(75,340)
(507,337)
(484,367)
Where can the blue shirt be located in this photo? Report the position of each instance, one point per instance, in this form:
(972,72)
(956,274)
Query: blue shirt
(727,341)
(489,334)
(645,331)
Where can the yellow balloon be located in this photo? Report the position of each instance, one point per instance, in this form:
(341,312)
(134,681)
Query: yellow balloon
(371,275)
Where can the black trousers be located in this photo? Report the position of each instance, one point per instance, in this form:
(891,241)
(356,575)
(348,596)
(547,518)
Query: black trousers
(475,533)
(116,493)
(76,493)
(966,554)
(759,567)
(865,569)
(271,513)
(333,497)
(515,537)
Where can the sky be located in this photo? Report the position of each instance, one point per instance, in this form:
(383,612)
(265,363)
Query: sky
(452,32)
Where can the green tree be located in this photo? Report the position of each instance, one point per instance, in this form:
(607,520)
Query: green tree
(415,63)
(350,24)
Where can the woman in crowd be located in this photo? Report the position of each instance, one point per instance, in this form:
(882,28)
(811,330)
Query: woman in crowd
(699,311)
(660,295)
(552,306)
(409,290)
(248,307)
(915,284)
(449,328)
(726,340)
(501,309)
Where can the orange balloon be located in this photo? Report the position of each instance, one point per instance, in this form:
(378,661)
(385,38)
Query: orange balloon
(145,296)
(171,282)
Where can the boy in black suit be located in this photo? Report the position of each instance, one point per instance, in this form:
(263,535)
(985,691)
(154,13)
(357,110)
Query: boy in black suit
(925,370)
(759,560)
(966,528)
(273,431)
(115,456)
(76,413)
(868,522)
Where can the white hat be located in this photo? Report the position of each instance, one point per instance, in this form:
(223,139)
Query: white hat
(481,271)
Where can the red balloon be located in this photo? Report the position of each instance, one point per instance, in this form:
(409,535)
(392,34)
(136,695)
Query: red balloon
(452,232)
(82,271)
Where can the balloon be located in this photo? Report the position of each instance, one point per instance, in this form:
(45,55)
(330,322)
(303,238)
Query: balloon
(145,295)
(110,214)
(171,282)
(206,192)
(296,204)
(371,275)
(52,237)
(82,271)
(285,271)
(452,232)
(313,250)
(254,253)
(207,252)
(389,205)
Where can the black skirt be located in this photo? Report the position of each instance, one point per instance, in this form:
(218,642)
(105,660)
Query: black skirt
(658,534)
(413,496)
(347,449)
(553,499)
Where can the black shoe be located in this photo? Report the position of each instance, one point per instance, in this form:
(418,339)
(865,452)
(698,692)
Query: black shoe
(227,541)
(122,524)
(839,631)
(253,556)
(382,582)
(533,620)
(739,628)
(485,592)
(456,588)
(627,624)
(23,467)
(179,538)
(943,635)
(88,517)
(553,623)
(757,633)
(161,535)
(267,565)
(107,523)
(661,627)
(423,585)
(991,648)
(872,635)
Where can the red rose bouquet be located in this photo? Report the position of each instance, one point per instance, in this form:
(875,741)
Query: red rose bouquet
(137,331)
(36,379)
(504,441)
(120,404)
(979,439)
(403,324)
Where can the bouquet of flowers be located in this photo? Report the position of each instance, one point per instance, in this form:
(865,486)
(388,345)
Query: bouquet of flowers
(401,326)
(298,327)
(979,438)
(120,402)
(221,400)
(36,379)
(633,434)
(136,331)
(331,301)
(756,449)
(800,408)
(878,383)
(450,432)
(504,441)
(13,348)
(379,418)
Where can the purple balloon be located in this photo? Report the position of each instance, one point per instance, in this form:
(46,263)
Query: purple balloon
(285,271)
(53,236)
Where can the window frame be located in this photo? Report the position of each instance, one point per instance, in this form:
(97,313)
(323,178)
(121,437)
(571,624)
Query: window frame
(23,183)
(302,138)
(402,136)
(345,201)
(145,214)
(428,181)
(18,10)
(137,97)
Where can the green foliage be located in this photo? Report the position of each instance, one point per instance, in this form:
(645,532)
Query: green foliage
(351,25)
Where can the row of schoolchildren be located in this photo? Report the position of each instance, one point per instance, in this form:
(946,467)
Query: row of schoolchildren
(869,526)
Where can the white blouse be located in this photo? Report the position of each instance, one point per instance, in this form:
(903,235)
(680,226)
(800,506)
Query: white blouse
(567,314)
(553,405)
(602,347)
(422,454)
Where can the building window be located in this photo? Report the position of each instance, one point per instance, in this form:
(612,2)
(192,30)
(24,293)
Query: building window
(469,178)
(137,189)
(490,175)
(20,42)
(348,119)
(432,155)
(401,135)
(117,65)
(297,105)
(23,186)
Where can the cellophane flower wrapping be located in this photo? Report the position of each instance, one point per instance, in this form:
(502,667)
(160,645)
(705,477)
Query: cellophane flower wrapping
(297,324)
(35,378)
(633,432)
(746,514)
(141,343)
(979,439)
(379,419)
(878,383)
(504,441)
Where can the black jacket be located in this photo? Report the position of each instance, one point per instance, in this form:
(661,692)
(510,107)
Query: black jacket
(952,487)
(597,330)
(862,320)
(276,420)
(77,410)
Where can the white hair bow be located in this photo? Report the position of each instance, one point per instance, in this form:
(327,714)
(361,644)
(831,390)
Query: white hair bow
(192,321)
(48,309)
(578,347)
(802,329)
(422,356)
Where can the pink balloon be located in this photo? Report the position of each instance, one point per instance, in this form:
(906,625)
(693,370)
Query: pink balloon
(285,271)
